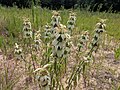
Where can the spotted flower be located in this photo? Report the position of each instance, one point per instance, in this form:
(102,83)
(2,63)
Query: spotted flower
(27,30)
(100,28)
(43,77)
(47,33)
(71,21)
(37,40)
(55,19)
(18,52)
(101,24)
(61,42)
(83,40)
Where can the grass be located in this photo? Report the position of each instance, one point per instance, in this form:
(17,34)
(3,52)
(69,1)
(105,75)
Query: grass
(85,19)
(11,20)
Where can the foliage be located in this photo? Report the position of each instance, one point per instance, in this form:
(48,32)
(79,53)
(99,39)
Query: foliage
(92,5)
(19,3)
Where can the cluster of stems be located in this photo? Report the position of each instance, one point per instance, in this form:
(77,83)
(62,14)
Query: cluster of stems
(88,57)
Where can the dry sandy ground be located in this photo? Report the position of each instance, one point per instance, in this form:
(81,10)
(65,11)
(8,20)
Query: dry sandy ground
(103,74)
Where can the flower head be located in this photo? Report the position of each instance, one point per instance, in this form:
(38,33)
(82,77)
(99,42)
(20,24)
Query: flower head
(71,21)
(61,42)
(100,28)
(27,23)
(101,24)
(55,19)
(18,52)
(43,77)
(83,40)
(47,32)
(27,30)
(37,40)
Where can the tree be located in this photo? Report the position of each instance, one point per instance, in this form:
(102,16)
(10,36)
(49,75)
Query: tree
(94,5)
(70,3)
(56,4)
(46,3)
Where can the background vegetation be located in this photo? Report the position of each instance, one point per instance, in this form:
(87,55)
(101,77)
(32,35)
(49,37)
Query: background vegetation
(92,5)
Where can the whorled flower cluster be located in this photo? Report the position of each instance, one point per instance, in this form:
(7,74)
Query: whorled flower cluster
(101,24)
(83,40)
(100,28)
(43,77)
(18,52)
(61,44)
(71,22)
(55,19)
(27,29)
(37,40)
(47,33)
